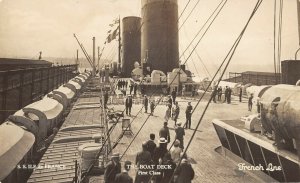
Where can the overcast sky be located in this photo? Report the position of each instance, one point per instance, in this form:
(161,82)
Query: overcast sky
(28,26)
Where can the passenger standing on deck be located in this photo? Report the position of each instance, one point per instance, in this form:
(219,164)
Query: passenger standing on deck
(151,145)
(185,172)
(183,91)
(220,93)
(143,158)
(130,88)
(119,84)
(168,172)
(188,115)
(164,132)
(175,112)
(193,92)
(160,151)
(174,96)
(214,94)
(124,177)
(123,84)
(170,101)
(250,102)
(179,134)
(146,101)
(168,113)
(176,151)
(240,94)
(128,105)
(168,90)
(229,95)
(226,94)
(105,99)
(126,84)
(152,106)
(112,169)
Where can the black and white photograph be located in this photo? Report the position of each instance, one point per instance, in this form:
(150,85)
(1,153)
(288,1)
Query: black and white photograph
(149,91)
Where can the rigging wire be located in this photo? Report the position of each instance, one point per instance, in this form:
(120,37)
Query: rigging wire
(184,9)
(198,56)
(173,79)
(143,106)
(206,22)
(170,83)
(279,35)
(153,92)
(275,58)
(230,55)
(189,14)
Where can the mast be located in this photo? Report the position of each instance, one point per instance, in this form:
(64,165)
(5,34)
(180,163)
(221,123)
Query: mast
(98,58)
(119,51)
(94,69)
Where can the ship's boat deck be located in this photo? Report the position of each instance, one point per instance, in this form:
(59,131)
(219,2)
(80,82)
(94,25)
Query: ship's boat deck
(209,165)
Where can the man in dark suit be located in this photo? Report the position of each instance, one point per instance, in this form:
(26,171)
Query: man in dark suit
(180,134)
(131,88)
(174,96)
(128,105)
(112,169)
(164,132)
(105,99)
(146,101)
(124,177)
(143,158)
(150,145)
(185,172)
(160,151)
(188,115)
(170,101)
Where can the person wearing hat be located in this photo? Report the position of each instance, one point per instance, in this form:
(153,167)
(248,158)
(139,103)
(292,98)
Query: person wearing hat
(143,158)
(175,112)
(152,106)
(173,93)
(188,115)
(184,172)
(160,151)
(176,151)
(123,177)
(146,101)
(168,113)
(128,105)
(250,103)
(179,134)
(112,169)
(164,132)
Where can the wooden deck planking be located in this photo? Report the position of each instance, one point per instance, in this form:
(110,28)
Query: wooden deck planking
(209,167)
